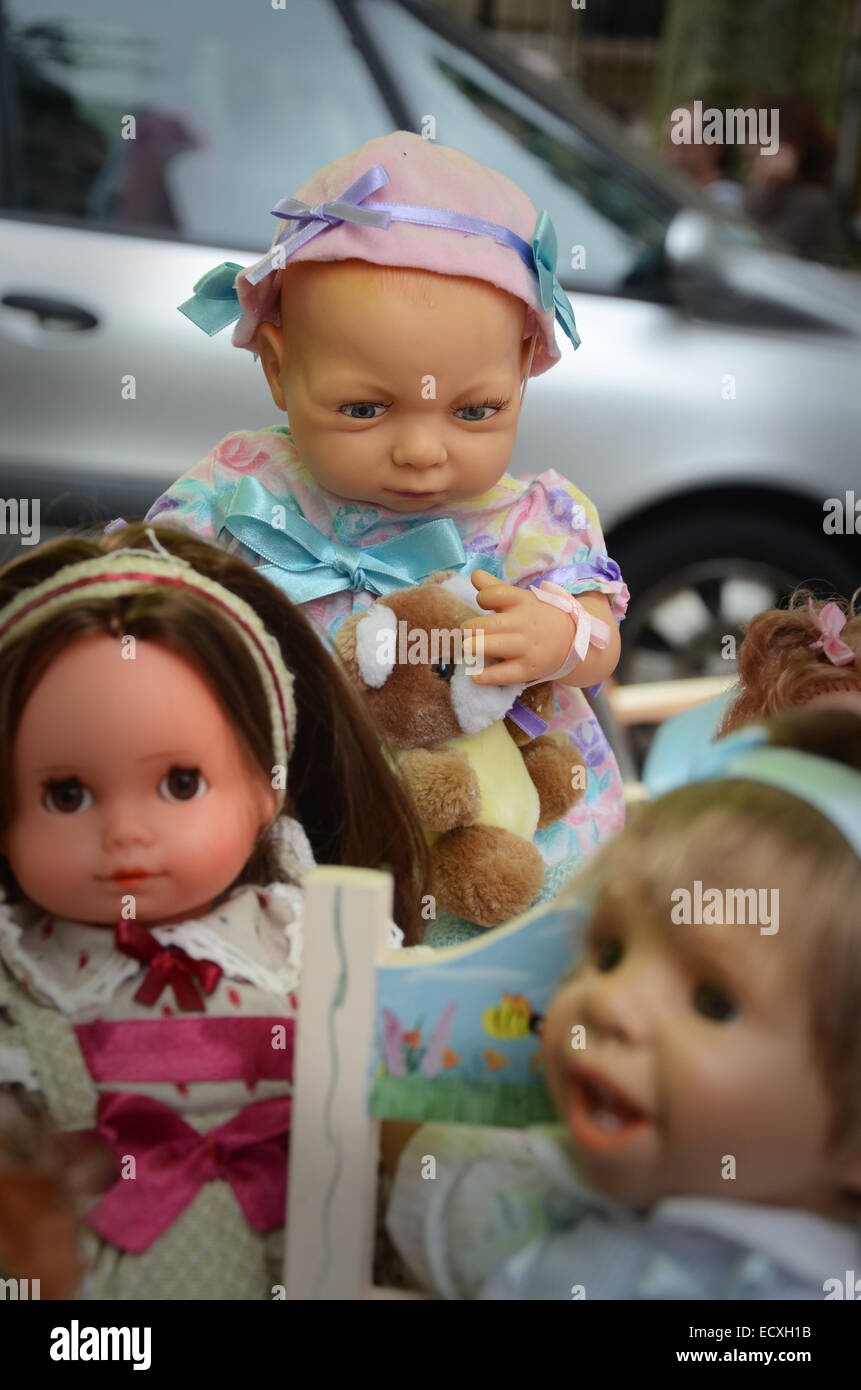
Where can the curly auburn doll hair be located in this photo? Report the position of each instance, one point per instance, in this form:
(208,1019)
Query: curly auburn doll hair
(777,670)
(340,788)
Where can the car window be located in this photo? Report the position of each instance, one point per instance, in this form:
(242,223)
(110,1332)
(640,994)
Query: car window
(235,106)
(594,201)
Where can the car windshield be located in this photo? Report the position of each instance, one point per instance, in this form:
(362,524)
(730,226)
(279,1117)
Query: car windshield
(187,120)
(610,222)
(141,117)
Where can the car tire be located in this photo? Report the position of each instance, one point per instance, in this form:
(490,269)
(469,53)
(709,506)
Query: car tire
(683,551)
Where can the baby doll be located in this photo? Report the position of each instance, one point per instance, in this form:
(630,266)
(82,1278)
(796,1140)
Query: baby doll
(707,1064)
(408,295)
(808,654)
(153,692)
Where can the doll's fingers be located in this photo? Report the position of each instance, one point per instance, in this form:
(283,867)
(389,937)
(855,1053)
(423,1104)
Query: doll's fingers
(502,646)
(502,673)
(500,597)
(488,620)
(481,579)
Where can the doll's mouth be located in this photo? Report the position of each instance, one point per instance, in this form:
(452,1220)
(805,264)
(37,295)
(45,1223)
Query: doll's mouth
(126,876)
(396,493)
(601,1118)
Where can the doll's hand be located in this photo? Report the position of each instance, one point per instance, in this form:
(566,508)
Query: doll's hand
(524,640)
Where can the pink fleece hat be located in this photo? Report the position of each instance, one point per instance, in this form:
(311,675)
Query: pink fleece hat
(413,211)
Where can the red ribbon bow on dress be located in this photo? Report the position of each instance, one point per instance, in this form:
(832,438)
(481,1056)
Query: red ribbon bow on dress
(167,965)
(172,1162)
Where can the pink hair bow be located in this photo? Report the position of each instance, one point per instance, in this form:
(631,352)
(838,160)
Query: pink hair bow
(831,622)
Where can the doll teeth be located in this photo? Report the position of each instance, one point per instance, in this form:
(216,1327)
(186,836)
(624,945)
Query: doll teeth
(607,1119)
(607,1106)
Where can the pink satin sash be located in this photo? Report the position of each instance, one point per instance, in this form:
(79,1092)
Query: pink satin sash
(186,1050)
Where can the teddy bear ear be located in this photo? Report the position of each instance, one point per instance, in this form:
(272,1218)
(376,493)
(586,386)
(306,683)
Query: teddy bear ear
(367,645)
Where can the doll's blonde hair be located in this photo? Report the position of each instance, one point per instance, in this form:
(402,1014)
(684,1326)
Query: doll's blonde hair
(732,832)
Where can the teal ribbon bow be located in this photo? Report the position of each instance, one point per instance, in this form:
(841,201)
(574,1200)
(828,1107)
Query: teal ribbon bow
(214,303)
(551,293)
(306,565)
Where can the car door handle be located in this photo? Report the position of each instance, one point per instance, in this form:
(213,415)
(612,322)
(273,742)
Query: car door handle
(52,313)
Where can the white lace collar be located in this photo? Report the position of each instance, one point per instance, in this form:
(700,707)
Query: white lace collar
(254,935)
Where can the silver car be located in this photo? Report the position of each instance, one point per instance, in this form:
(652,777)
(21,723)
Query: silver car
(713,411)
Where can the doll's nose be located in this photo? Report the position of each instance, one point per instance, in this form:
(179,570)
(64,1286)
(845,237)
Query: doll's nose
(622,1004)
(420,447)
(125,827)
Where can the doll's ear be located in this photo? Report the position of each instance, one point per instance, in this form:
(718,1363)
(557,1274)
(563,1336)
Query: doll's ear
(365,643)
(270,347)
(268,804)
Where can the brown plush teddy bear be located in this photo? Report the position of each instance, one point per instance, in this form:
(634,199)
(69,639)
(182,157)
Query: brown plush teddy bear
(482,786)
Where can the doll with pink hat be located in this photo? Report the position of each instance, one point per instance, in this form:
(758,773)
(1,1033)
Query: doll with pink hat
(408,296)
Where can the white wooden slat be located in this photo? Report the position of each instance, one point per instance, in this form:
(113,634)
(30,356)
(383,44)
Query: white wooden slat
(333,1143)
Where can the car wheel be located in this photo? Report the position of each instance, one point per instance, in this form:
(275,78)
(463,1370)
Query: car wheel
(698,580)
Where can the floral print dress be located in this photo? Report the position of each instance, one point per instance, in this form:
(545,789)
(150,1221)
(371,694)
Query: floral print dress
(523,530)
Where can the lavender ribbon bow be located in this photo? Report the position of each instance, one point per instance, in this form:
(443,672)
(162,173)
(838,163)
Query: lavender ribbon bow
(317,219)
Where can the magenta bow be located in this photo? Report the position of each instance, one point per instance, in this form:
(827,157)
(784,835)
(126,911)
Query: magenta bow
(167,965)
(831,622)
(173,1161)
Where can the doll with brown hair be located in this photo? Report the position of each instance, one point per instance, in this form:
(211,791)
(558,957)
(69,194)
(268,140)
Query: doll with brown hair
(154,693)
(808,653)
(704,1058)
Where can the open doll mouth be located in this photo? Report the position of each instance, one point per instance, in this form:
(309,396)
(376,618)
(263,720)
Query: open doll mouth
(601,1118)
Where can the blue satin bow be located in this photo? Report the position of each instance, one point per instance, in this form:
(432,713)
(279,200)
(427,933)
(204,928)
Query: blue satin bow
(544,252)
(307,565)
(214,303)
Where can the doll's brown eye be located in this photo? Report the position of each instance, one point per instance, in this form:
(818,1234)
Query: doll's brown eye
(183,784)
(67,796)
(608,953)
(713,1002)
(443,669)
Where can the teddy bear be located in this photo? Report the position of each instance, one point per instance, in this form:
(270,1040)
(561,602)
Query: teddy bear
(481,785)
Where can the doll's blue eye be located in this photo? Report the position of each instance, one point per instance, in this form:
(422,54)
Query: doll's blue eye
(67,796)
(477,413)
(363,410)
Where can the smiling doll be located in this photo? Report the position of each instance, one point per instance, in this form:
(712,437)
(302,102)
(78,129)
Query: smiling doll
(408,296)
(707,1067)
(153,693)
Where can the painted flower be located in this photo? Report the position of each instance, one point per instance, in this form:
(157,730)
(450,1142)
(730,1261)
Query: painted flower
(239,453)
(566,509)
(162,504)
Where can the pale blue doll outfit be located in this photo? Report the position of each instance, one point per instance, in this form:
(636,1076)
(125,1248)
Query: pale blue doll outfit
(507,1216)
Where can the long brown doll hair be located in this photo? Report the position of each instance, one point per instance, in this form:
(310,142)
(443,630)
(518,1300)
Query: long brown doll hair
(340,788)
